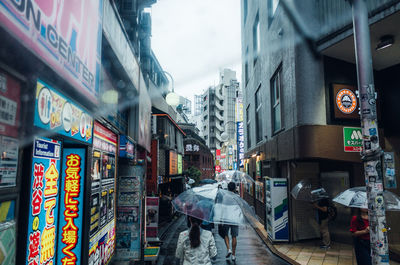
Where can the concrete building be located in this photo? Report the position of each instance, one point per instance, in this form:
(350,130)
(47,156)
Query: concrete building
(218,110)
(295,118)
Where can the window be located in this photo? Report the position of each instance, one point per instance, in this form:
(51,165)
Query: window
(258,115)
(246,66)
(276,103)
(205,117)
(256,39)
(248,126)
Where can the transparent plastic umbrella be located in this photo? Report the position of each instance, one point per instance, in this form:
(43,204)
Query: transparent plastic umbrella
(214,205)
(357,198)
(302,191)
(235,176)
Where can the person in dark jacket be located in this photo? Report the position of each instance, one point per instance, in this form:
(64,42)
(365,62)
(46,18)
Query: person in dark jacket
(323,220)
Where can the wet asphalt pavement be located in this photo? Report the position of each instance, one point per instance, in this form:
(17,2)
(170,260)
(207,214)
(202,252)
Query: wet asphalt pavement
(250,250)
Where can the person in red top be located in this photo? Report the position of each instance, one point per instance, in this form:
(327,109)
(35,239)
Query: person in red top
(359,227)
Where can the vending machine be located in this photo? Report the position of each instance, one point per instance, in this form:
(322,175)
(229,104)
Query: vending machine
(277,209)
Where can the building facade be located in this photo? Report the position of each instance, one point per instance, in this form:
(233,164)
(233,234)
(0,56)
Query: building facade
(218,111)
(301,106)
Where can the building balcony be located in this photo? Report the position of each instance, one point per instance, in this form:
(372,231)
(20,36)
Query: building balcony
(219,127)
(218,105)
(219,116)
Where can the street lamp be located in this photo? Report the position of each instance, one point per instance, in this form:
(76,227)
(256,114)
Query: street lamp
(172,98)
(225,135)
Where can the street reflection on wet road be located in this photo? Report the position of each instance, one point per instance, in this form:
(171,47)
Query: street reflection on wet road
(250,250)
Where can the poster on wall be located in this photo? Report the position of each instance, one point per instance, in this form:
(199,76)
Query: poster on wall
(94,213)
(43,210)
(8,161)
(66,37)
(57,113)
(128,242)
(10,105)
(152,211)
(389,170)
(102,245)
(71,206)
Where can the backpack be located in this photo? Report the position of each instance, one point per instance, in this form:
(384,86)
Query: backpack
(332,212)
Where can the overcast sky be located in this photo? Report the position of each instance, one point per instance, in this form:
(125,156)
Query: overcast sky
(194,39)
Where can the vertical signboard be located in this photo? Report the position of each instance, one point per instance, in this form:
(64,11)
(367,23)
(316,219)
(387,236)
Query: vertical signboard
(102,217)
(71,206)
(240,143)
(66,37)
(128,239)
(43,210)
(152,204)
(180,166)
(173,163)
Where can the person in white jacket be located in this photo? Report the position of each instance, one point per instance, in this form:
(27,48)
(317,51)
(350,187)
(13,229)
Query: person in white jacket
(196,246)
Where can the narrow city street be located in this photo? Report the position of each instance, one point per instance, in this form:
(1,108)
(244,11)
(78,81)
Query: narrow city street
(250,250)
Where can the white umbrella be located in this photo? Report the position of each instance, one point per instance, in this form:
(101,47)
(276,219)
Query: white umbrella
(213,205)
(235,176)
(357,198)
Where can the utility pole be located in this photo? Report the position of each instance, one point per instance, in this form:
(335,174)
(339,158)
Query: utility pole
(372,152)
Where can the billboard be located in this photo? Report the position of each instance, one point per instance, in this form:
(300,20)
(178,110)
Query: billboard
(71,206)
(55,112)
(67,37)
(43,212)
(173,163)
(240,143)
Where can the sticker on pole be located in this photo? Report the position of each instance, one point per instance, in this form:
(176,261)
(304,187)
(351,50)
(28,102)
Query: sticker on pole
(352,139)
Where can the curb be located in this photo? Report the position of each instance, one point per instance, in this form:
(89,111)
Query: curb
(259,228)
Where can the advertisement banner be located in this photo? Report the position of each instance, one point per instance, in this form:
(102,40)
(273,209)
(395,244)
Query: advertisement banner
(152,204)
(43,211)
(57,113)
(240,143)
(104,139)
(71,206)
(126,147)
(66,37)
(389,171)
(102,245)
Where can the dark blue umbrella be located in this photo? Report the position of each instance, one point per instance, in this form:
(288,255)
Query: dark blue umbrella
(207,181)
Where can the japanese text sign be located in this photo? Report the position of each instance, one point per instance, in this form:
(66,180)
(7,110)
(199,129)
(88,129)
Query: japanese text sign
(71,206)
(65,36)
(43,213)
(240,143)
(57,113)
(9,105)
(352,139)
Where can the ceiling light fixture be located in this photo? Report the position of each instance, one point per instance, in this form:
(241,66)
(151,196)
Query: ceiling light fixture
(385,42)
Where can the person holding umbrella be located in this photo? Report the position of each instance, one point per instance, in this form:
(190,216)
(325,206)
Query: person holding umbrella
(234,230)
(196,246)
(359,227)
(323,221)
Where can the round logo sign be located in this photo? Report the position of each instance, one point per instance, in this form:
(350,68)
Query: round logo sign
(44,102)
(346,101)
(66,116)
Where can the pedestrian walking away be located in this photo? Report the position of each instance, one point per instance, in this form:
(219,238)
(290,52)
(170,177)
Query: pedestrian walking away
(234,229)
(359,227)
(196,246)
(323,220)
